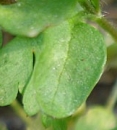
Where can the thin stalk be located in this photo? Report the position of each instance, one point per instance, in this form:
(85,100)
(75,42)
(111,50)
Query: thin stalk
(20,112)
(102,21)
(108,27)
(112,98)
(31,123)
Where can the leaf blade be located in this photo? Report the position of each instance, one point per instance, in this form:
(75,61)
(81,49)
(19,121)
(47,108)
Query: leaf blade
(29,18)
(16,65)
(64,75)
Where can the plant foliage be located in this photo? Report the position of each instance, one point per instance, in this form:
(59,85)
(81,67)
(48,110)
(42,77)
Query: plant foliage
(55,59)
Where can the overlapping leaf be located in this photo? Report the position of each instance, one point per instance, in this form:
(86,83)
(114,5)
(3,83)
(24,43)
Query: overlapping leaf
(55,39)
(30,17)
(16,65)
(66,71)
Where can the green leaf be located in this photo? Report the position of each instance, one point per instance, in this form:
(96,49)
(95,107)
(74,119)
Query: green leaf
(56,124)
(16,65)
(29,99)
(70,64)
(30,17)
(97,118)
(31,105)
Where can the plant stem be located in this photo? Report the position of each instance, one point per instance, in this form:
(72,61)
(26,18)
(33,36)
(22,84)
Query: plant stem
(31,123)
(101,20)
(20,112)
(104,23)
(113,97)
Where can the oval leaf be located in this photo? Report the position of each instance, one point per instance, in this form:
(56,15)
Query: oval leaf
(29,99)
(30,17)
(69,66)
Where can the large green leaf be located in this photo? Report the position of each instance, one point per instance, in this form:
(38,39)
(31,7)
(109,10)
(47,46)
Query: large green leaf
(30,103)
(70,64)
(16,65)
(30,17)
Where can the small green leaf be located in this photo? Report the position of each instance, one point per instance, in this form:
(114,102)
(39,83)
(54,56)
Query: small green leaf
(30,17)
(16,65)
(69,65)
(97,118)
(56,124)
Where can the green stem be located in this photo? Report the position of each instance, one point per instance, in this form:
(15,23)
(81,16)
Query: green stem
(108,27)
(20,112)
(87,5)
(102,21)
(31,123)
(113,97)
